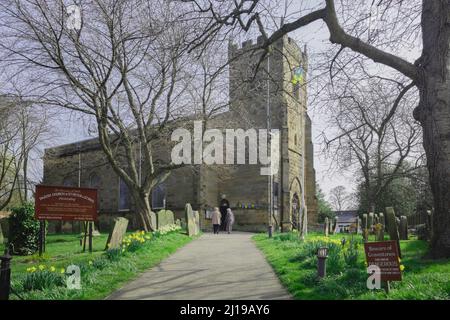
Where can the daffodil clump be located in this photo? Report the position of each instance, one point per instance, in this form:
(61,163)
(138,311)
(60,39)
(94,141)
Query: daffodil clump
(42,277)
(169,228)
(134,241)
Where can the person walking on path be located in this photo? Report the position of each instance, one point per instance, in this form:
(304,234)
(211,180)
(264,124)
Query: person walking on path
(216,219)
(229,220)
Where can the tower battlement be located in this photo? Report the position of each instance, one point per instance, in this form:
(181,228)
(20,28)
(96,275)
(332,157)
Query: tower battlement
(285,41)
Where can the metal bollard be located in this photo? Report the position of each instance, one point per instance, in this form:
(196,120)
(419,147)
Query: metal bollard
(5,275)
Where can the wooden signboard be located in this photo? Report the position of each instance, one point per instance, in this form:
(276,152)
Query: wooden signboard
(384,254)
(65,203)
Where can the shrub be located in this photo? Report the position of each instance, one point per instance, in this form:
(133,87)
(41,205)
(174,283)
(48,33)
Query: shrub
(23,230)
(42,278)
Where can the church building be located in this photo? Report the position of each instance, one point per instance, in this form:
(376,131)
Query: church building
(272,96)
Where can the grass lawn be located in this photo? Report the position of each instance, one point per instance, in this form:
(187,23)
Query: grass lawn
(100,274)
(422,278)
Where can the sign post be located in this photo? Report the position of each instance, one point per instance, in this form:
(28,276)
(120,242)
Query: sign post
(384,255)
(65,204)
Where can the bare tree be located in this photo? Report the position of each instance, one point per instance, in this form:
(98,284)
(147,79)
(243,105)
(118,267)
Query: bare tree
(339,198)
(348,27)
(125,64)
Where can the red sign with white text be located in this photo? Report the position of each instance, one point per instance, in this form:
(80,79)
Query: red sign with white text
(65,203)
(384,254)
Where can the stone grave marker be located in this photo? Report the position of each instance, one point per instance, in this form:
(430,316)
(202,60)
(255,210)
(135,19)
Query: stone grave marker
(170,217)
(370,220)
(178,222)
(197,222)
(326,226)
(117,233)
(391,224)
(364,229)
(383,225)
(403,228)
(358,225)
(190,220)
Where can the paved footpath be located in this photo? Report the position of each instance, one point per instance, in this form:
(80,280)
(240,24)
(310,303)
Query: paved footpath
(212,267)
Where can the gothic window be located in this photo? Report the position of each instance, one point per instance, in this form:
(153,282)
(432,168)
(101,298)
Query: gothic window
(159,197)
(124,195)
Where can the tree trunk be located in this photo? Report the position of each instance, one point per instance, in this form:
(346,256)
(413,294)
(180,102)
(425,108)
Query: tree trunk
(433,113)
(143,209)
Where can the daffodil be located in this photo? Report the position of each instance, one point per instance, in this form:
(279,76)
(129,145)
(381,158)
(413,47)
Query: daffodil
(62,270)
(41,267)
(52,269)
(402,267)
(90,262)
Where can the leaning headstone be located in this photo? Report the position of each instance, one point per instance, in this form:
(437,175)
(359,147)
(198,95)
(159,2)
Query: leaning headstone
(116,235)
(391,224)
(403,228)
(190,220)
(326,226)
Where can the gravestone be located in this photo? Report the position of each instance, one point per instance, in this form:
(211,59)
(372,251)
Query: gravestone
(358,225)
(383,225)
(116,235)
(165,218)
(375,219)
(365,231)
(370,221)
(391,224)
(403,228)
(190,220)
(326,226)
(178,222)
(170,217)
(197,222)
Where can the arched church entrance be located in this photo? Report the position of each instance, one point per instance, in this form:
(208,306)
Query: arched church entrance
(295,211)
(223,206)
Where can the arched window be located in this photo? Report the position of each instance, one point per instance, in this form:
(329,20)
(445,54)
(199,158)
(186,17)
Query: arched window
(159,197)
(124,195)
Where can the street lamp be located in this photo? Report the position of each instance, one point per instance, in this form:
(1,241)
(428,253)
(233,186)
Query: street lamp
(322,255)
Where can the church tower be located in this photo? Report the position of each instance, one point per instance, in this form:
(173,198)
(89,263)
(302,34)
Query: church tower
(271,93)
